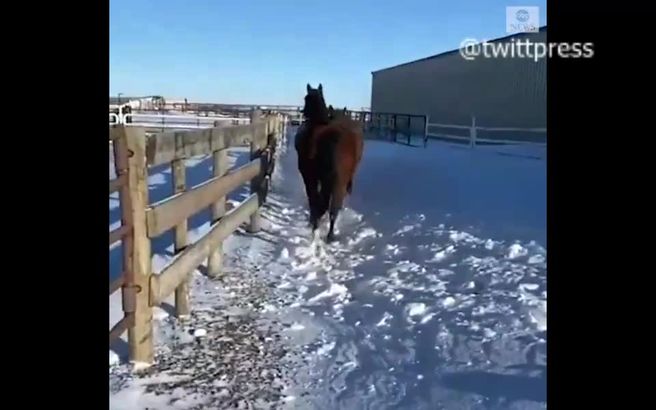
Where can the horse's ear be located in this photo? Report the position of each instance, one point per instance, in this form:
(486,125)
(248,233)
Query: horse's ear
(308,87)
(320,88)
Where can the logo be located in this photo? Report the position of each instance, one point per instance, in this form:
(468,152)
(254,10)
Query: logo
(522,15)
(523,19)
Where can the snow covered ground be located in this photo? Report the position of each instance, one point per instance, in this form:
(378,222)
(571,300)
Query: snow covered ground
(434,297)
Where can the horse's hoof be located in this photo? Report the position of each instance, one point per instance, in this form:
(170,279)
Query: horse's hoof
(330,238)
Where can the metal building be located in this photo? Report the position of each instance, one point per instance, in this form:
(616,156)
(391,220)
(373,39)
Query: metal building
(499,92)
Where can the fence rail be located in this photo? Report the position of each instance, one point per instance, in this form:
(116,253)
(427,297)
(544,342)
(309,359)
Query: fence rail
(472,138)
(143,288)
(401,124)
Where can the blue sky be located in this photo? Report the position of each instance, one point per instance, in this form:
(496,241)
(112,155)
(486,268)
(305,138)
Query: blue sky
(264,52)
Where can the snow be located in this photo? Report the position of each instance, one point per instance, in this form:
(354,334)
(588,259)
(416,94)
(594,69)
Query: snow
(200,332)
(415,309)
(516,251)
(113,359)
(448,302)
(438,274)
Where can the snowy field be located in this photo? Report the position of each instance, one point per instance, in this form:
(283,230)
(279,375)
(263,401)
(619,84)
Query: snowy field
(434,297)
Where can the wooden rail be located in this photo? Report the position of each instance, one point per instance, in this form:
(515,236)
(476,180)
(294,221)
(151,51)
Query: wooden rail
(150,221)
(168,213)
(169,146)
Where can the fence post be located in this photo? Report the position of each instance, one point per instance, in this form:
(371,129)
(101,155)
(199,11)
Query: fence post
(256,222)
(219,168)
(140,335)
(279,124)
(472,133)
(426,119)
(179,172)
(268,160)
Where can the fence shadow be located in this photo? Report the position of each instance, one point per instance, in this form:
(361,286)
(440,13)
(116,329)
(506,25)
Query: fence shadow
(160,186)
(120,347)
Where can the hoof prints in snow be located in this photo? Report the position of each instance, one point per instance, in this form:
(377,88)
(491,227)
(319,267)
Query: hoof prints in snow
(294,316)
(485,298)
(237,349)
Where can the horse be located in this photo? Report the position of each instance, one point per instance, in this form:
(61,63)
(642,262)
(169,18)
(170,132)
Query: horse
(330,150)
(313,115)
(334,114)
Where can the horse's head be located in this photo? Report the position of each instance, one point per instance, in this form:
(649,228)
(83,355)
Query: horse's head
(315,105)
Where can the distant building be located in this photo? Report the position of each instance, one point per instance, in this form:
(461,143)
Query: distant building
(499,92)
(149,103)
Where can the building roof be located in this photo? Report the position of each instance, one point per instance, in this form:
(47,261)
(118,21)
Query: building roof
(541,29)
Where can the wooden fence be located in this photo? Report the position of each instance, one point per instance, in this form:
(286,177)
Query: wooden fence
(134,154)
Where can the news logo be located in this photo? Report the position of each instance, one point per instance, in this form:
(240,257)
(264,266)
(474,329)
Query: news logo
(522,19)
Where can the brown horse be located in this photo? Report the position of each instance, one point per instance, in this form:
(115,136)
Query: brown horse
(330,150)
(314,115)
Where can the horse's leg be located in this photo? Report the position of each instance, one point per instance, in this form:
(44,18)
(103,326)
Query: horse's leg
(321,203)
(337,200)
(314,198)
(319,199)
(310,181)
(316,210)
(325,168)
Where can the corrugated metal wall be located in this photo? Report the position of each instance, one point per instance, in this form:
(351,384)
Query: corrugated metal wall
(500,92)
